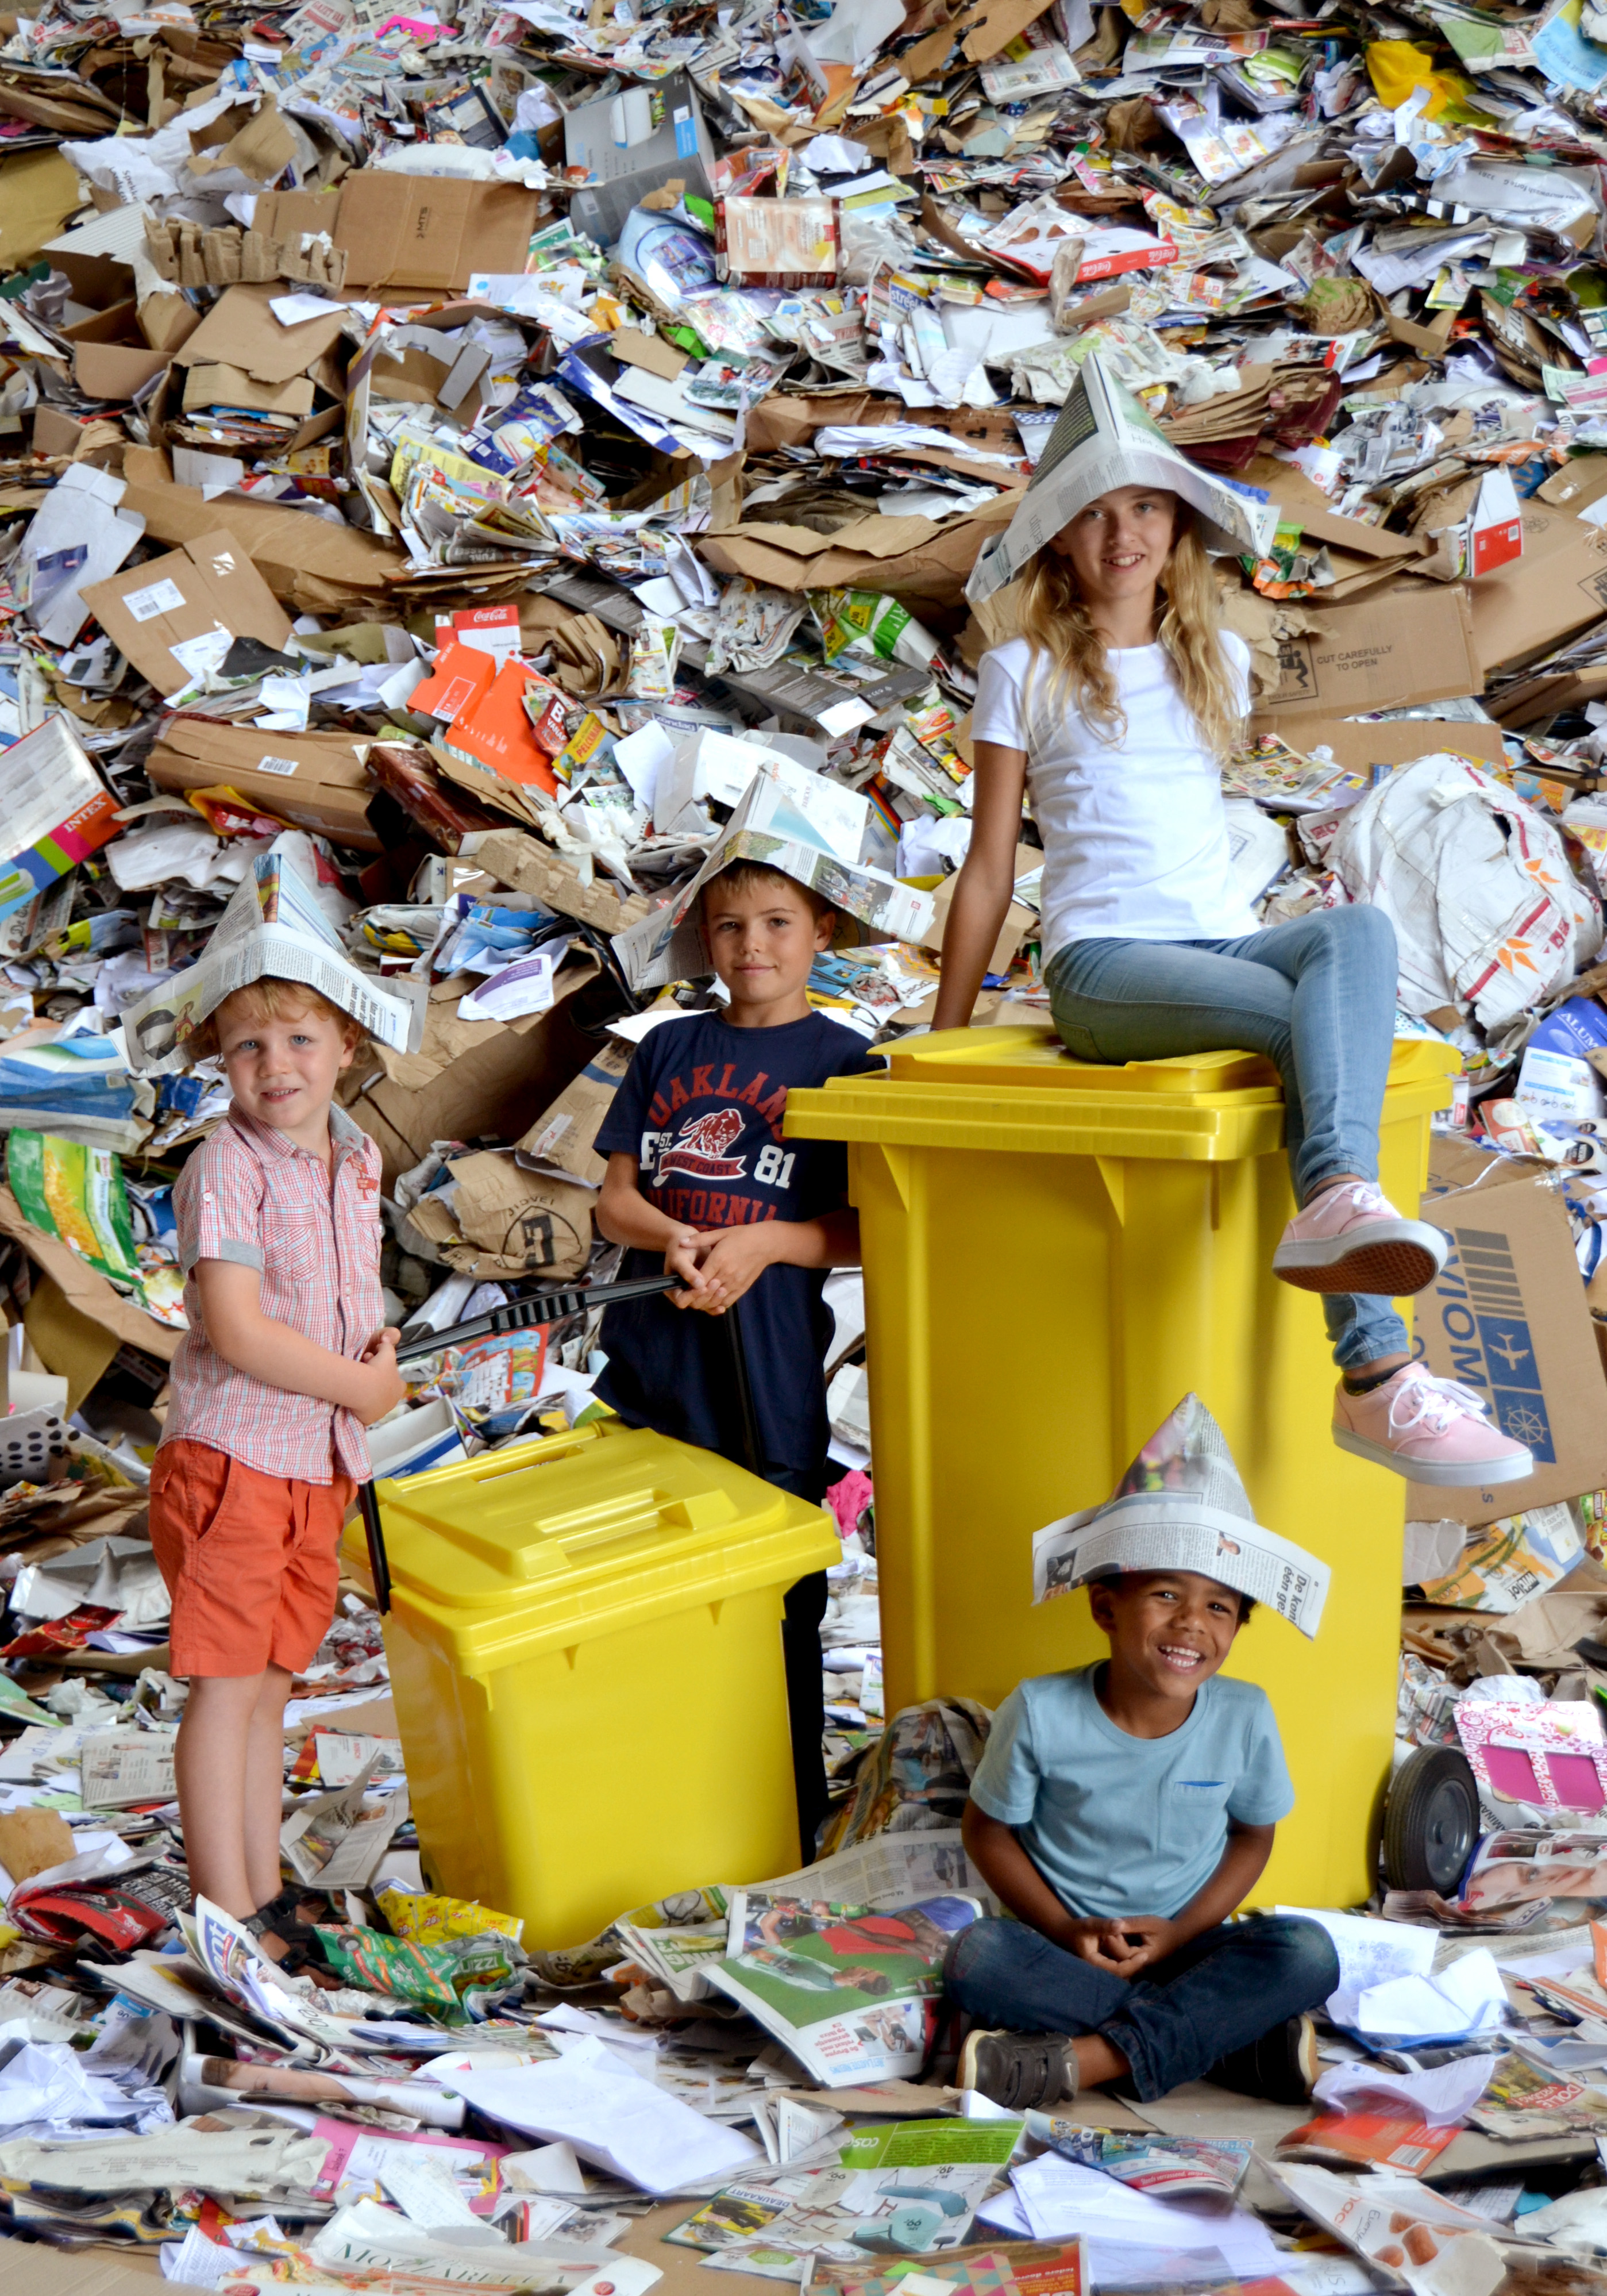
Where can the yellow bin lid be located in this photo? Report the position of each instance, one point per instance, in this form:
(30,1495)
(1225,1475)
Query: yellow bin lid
(1018,1088)
(536,1545)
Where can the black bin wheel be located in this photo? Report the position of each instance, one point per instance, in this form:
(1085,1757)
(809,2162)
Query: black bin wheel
(1430,1822)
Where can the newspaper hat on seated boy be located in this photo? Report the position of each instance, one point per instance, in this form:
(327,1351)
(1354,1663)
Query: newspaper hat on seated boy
(273,926)
(1105,437)
(1182,1506)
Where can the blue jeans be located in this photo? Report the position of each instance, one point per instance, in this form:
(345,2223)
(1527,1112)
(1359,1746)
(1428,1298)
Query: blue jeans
(1222,1991)
(1315,996)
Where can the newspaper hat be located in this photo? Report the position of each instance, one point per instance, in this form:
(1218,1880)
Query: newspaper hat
(273,927)
(1103,438)
(1182,1506)
(808,828)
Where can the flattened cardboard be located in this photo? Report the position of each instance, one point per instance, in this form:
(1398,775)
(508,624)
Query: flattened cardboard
(146,610)
(115,371)
(1357,745)
(316,781)
(32,2269)
(241,330)
(1393,649)
(1508,1316)
(232,386)
(38,191)
(431,230)
(1557,587)
(309,563)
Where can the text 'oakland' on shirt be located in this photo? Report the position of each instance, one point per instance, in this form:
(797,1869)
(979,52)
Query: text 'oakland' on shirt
(701,1109)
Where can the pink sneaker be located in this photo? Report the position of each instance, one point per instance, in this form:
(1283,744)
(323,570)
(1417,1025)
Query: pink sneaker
(1351,1239)
(1429,1430)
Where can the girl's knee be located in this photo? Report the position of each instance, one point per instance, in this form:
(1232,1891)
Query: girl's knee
(1362,926)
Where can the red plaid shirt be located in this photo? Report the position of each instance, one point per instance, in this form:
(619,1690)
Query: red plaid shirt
(250,1195)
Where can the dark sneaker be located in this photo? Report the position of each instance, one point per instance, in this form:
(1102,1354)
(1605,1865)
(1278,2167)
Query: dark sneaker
(1022,2071)
(1282,2066)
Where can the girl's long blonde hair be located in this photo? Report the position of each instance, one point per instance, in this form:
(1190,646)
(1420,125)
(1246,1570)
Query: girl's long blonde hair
(1055,622)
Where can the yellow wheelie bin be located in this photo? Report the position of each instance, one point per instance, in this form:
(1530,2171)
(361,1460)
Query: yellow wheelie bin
(1056,1252)
(584,1639)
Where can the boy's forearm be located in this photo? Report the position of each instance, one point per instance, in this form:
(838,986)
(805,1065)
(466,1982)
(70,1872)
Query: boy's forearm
(279,1357)
(1243,1863)
(995,1850)
(832,1241)
(631,1219)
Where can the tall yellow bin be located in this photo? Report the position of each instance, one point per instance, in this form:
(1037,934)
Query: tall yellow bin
(1055,1254)
(584,1642)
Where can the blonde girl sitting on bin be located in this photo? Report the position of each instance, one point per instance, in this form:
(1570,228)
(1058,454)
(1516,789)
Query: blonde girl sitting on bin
(1113,712)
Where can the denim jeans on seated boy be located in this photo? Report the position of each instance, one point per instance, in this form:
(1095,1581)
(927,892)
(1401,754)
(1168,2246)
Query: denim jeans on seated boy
(1222,1990)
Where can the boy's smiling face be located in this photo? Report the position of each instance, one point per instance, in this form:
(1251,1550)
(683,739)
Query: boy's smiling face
(1169,1630)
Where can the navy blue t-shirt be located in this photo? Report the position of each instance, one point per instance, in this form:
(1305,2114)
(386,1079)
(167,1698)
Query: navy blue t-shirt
(700,1109)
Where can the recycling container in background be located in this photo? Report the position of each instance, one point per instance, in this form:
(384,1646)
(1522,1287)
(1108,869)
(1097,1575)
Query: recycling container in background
(1055,1253)
(584,1640)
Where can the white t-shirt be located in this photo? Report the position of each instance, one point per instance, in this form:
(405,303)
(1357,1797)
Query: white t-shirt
(1135,838)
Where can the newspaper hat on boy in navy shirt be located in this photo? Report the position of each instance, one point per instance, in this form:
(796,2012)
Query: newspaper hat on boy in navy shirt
(1182,1506)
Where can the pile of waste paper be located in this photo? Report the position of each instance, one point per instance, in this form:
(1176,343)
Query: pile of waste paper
(486,471)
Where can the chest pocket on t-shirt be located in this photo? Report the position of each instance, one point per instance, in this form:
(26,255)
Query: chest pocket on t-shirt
(1193,1796)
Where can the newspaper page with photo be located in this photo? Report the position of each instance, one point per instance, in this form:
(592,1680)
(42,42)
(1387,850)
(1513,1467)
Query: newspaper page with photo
(849,1991)
(908,2190)
(273,925)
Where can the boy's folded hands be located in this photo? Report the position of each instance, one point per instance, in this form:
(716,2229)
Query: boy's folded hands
(719,1267)
(1125,1946)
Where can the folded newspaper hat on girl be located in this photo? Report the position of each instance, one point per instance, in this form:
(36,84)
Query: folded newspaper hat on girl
(1105,437)
(273,927)
(1182,1506)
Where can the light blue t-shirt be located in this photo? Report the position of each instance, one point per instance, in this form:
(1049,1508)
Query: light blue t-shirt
(1118,1824)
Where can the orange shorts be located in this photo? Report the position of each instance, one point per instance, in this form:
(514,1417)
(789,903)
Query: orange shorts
(250,1559)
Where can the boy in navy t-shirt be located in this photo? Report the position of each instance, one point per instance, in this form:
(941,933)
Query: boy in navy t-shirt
(701,1181)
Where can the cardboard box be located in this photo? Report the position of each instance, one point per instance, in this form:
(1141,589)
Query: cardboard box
(145,611)
(1360,744)
(316,780)
(1394,648)
(472,1077)
(630,144)
(1557,587)
(1508,1316)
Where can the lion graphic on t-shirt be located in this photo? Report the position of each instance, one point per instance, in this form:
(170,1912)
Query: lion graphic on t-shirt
(700,1147)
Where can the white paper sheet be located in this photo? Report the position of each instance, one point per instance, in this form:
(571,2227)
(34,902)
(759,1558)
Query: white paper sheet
(1060,2198)
(1442,2096)
(612,2117)
(1370,1952)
